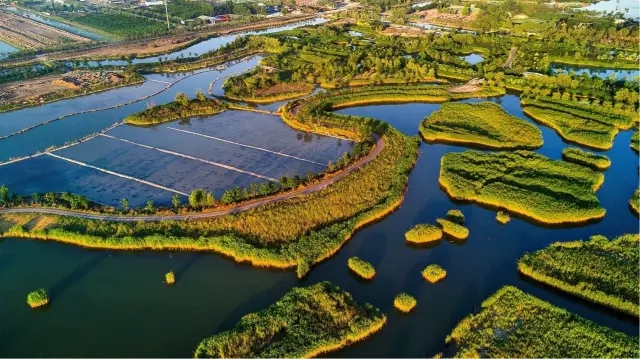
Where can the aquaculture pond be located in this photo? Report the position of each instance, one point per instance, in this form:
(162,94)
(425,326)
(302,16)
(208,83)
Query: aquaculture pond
(120,306)
(57,24)
(6,49)
(629,75)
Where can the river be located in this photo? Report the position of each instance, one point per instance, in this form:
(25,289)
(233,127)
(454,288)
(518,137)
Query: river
(118,304)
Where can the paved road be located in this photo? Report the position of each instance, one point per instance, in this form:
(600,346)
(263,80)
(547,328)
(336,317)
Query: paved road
(245,206)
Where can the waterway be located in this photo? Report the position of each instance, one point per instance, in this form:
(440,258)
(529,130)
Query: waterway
(57,24)
(119,306)
(6,49)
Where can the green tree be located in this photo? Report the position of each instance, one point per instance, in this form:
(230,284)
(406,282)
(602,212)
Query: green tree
(50,198)
(149,208)
(182,99)
(35,198)
(125,205)
(200,96)
(4,194)
(176,201)
(209,200)
(197,198)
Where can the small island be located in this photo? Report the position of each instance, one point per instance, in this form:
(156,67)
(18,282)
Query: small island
(170,278)
(182,107)
(503,217)
(361,267)
(589,159)
(433,273)
(38,298)
(405,302)
(453,229)
(423,233)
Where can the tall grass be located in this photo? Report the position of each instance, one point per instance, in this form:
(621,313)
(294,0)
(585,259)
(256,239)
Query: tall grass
(548,191)
(512,324)
(483,124)
(305,322)
(602,271)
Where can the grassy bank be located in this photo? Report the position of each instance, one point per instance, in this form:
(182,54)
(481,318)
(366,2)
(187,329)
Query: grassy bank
(181,108)
(512,324)
(609,279)
(483,124)
(589,159)
(526,183)
(305,322)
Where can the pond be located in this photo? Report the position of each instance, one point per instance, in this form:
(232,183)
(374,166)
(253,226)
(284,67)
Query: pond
(473,58)
(602,73)
(6,49)
(118,304)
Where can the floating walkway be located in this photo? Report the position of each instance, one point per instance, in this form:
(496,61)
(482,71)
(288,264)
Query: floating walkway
(116,173)
(248,146)
(217,164)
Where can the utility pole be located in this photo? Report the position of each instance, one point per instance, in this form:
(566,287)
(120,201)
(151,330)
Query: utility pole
(166,11)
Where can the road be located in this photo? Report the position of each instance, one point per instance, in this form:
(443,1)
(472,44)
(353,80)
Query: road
(241,207)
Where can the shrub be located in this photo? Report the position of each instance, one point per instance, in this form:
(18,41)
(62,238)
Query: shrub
(453,229)
(361,267)
(423,233)
(589,159)
(635,201)
(305,322)
(455,215)
(512,324)
(170,277)
(38,298)
(483,124)
(181,108)
(433,273)
(404,302)
(503,217)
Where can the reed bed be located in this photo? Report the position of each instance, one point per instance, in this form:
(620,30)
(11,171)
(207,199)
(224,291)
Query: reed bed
(434,273)
(453,229)
(589,159)
(423,233)
(405,302)
(361,267)
(38,298)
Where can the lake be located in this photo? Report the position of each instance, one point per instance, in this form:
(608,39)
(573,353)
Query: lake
(110,304)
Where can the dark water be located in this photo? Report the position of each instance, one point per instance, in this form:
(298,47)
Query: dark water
(118,305)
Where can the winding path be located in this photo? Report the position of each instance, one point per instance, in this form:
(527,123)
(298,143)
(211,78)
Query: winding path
(242,207)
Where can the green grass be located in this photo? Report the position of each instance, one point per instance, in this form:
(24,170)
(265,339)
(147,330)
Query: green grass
(170,278)
(523,182)
(455,215)
(635,141)
(634,202)
(173,111)
(575,129)
(38,298)
(513,324)
(305,322)
(361,267)
(423,233)
(119,23)
(405,302)
(621,119)
(589,159)
(602,271)
(453,229)
(483,124)
(503,217)
(433,273)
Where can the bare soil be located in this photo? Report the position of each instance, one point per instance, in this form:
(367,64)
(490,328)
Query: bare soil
(285,88)
(403,30)
(27,33)
(433,16)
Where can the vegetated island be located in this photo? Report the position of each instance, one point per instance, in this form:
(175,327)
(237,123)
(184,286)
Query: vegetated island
(361,267)
(404,302)
(38,298)
(170,277)
(513,324)
(265,84)
(483,124)
(635,141)
(305,322)
(182,107)
(453,229)
(589,159)
(609,279)
(423,233)
(634,202)
(523,182)
(503,217)
(433,273)
(455,215)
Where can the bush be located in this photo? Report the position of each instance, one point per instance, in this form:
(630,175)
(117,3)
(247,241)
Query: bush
(455,215)
(305,322)
(361,267)
(453,229)
(38,298)
(423,233)
(512,324)
(483,124)
(433,273)
(181,108)
(170,278)
(404,302)
(503,217)
(589,159)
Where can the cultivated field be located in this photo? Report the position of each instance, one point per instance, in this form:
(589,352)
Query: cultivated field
(29,34)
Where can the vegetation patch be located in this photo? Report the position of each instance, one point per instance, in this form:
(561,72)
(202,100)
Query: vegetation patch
(119,23)
(602,271)
(548,191)
(262,86)
(404,302)
(513,324)
(170,277)
(575,129)
(182,107)
(455,215)
(635,141)
(634,202)
(433,273)
(589,159)
(306,322)
(483,124)
(361,267)
(503,217)
(453,229)
(38,298)
(423,233)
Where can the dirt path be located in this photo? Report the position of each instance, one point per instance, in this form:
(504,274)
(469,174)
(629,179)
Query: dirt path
(512,56)
(242,207)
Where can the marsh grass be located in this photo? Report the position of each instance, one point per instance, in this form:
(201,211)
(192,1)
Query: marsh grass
(512,324)
(404,302)
(361,267)
(589,159)
(38,298)
(455,215)
(453,229)
(434,273)
(423,233)
(634,202)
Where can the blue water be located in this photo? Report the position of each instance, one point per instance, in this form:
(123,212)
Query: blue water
(5,49)
(474,58)
(56,24)
(629,8)
(629,75)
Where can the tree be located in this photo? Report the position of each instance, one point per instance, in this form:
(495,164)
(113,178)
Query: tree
(4,194)
(176,201)
(125,205)
(197,198)
(150,208)
(200,96)
(50,198)
(210,201)
(35,198)
(182,99)
(466,11)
